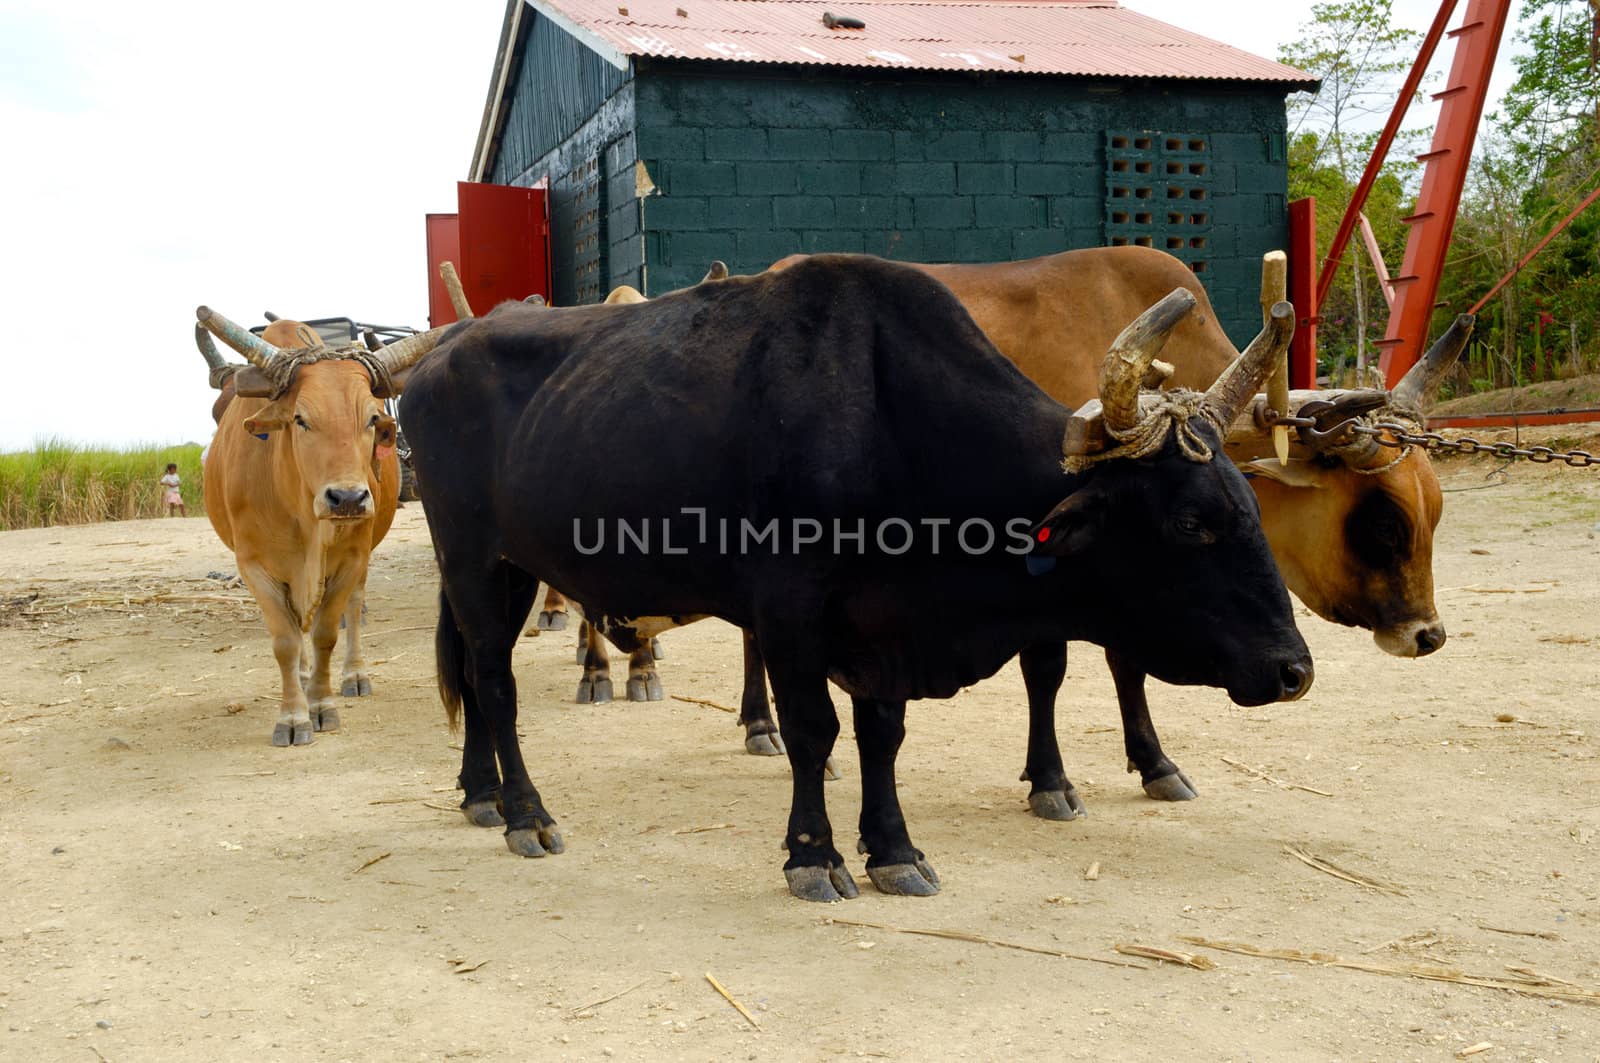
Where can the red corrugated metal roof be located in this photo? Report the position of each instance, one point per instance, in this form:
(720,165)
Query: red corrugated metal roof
(1096,38)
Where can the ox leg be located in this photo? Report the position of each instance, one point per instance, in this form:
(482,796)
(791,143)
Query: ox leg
(553,617)
(294,716)
(583,641)
(809,725)
(1161,778)
(595,686)
(1052,795)
(335,605)
(488,612)
(354,681)
(480,774)
(893,863)
(761,736)
(643,682)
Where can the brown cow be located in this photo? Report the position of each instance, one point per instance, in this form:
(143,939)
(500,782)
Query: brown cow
(301,483)
(1350,526)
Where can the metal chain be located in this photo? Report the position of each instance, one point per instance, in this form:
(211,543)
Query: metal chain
(1391,434)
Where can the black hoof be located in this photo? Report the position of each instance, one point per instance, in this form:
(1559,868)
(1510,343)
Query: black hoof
(1057,804)
(535,841)
(831,771)
(296,734)
(594,691)
(281,734)
(325,719)
(549,621)
(355,686)
(905,880)
(1174,787)
(483,814)
(645,688)
(656,651)
(822,884)
(764,745)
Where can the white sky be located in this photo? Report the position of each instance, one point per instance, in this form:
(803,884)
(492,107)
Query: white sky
(254,157)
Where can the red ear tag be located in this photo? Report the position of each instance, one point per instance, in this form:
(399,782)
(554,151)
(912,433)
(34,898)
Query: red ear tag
(1043,535)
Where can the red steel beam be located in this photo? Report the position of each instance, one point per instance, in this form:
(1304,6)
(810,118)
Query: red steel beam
(1515,420)
(1303,293)
(1347,224)
(1443,177)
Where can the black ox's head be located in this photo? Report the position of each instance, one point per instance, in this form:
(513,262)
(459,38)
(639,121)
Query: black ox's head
(1164,529)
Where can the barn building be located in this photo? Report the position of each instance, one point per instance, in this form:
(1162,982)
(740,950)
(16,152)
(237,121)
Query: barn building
(670,133)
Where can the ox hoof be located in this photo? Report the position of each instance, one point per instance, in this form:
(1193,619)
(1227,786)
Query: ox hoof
(905,880)
(1174,787)
(594,691)
(483,814)
(823,884)
(767,744)
(325,718)
(645,688)
(656,651)
(1057,804)
(535,841)
(552,621)
(296,734)
(355,685)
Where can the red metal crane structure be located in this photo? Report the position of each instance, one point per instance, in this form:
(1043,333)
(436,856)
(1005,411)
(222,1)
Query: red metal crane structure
(1443,177)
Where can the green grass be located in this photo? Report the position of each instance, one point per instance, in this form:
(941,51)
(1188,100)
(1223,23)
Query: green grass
(58,482)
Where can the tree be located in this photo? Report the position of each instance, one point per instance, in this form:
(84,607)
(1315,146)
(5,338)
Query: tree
(1360,55)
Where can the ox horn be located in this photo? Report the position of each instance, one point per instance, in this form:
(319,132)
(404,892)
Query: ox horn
(1132,353)
(397,357)
(257,351)
(1416,388)
(458,294)
(1238,383)
(717,272)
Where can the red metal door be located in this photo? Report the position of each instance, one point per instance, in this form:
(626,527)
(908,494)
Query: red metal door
(504,243)
(444,245)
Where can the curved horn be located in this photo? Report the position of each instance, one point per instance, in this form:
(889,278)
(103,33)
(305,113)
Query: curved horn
(257,351)
(208,350)
(458,294)
(403,354)
(270,316)
(1416,388)
(370,338)
(717,272)
(1238,383)
(1131,354)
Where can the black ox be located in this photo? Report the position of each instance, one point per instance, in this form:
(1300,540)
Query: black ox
(844,395)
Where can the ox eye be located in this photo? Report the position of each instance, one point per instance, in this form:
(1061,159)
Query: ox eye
(301,422)
(1190,527)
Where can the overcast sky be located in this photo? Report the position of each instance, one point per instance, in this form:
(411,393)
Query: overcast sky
(256,157)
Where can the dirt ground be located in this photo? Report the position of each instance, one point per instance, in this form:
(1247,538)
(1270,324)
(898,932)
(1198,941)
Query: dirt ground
(177,889)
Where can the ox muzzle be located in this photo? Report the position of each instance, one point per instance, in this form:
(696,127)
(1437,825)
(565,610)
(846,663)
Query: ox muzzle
(344,502)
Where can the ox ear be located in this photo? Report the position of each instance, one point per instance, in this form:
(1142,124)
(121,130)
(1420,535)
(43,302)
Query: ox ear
(1298,473)
(1072,525)
(270,418)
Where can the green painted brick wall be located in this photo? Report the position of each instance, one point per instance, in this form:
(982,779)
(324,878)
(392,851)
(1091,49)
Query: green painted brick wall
(751,165)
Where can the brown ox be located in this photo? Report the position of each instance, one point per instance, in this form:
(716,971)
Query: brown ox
(1350,526)
(301,483)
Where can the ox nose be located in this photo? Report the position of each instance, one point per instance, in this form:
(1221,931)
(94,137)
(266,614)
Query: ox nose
(1296,679)
(1429,639)
(347,502)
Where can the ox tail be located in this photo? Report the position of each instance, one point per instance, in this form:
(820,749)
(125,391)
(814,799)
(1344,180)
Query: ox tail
(450,655)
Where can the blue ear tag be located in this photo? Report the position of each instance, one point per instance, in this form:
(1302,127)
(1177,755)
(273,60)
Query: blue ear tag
(1038,566)
(261,435)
